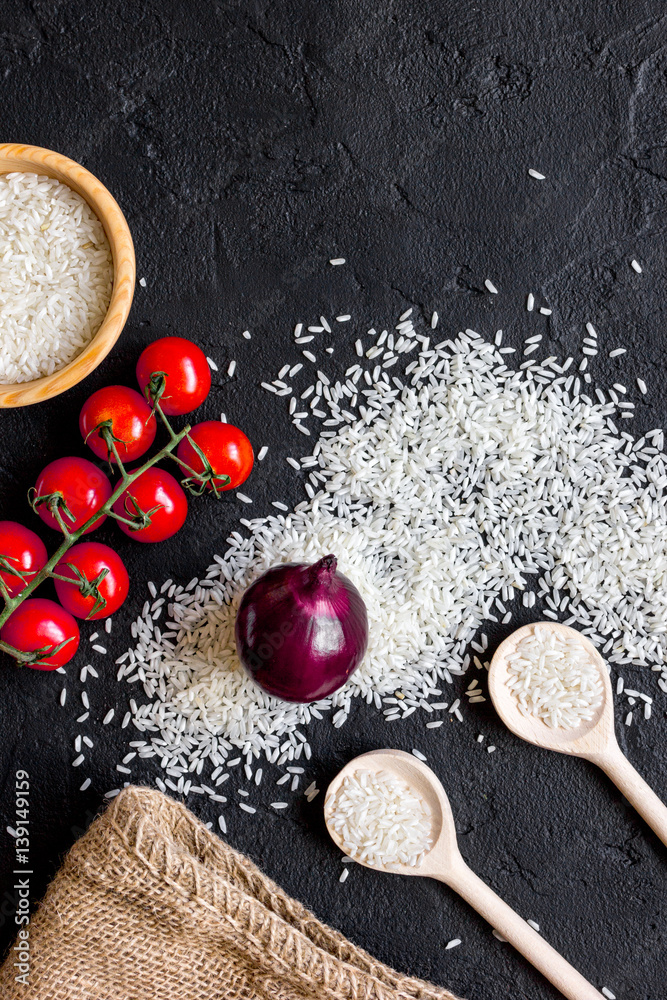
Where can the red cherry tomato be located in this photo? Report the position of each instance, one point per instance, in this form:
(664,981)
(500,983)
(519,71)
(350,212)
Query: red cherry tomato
(186,371)
(41,624)
(126,415)
(24,551)
(89,559)
(83,487)
(226,448)
(153,488)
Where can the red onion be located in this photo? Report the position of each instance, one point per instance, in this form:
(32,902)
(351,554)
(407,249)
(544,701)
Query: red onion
(302,630)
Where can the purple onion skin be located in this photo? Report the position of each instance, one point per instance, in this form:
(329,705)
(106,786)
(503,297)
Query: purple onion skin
(302,630)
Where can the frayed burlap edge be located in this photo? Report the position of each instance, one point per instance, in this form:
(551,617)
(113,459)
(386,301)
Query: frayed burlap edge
(149,905)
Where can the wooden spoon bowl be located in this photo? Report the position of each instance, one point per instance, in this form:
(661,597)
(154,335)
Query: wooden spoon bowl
(588,738)
(423,781)
(34,159)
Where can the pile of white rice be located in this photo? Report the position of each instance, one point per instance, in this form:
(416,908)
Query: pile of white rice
(450,492)
(553,677)
(56,275)
(379,820)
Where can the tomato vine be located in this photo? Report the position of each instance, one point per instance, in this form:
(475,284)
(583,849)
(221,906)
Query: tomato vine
(193,482)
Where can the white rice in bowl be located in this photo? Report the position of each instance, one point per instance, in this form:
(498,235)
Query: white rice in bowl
(56,275)
(554,677)
(380,821)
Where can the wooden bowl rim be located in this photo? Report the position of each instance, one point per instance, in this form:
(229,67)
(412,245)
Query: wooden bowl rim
(36,159)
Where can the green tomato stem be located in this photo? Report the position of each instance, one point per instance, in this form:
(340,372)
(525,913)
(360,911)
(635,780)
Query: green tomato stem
(17,654)
(112,445)
(124,520)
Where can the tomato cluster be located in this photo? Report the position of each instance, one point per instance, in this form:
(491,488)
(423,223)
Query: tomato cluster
(119,425)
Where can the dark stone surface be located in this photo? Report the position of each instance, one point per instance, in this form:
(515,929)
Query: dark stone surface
(247,143)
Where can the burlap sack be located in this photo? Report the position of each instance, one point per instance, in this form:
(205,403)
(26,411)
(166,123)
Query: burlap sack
(149,905)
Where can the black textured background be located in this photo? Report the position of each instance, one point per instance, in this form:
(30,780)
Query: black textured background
(247,143)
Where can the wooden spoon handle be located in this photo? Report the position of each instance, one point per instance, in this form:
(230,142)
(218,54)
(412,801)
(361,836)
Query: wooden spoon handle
(515,929)
(617,766)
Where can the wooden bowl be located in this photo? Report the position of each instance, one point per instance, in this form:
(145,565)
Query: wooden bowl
(34,159)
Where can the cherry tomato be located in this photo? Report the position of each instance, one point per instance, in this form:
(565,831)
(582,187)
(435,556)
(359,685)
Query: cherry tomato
(89,559)
(186,370)
(38,623)
(226,448)
(153,488)
(83,487)
(23,550)
(126,415)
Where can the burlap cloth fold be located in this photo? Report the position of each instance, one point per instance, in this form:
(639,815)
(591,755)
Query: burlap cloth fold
(149,905)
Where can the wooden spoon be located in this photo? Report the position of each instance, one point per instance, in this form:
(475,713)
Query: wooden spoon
(444,862)
(594,740)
